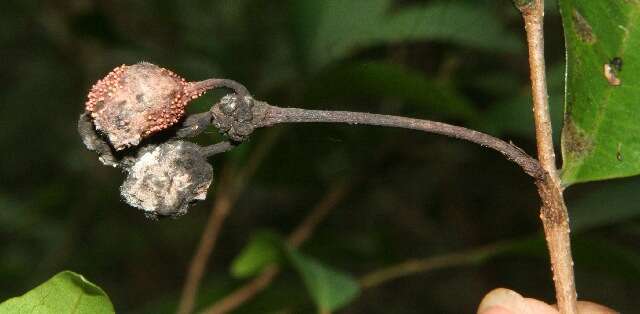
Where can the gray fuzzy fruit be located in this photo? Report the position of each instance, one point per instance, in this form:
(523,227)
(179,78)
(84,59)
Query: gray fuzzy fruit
(165,179)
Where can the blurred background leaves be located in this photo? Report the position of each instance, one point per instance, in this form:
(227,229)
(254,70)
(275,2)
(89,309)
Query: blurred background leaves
(413,195)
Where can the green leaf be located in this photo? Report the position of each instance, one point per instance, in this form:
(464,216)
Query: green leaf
(469,25)
(591,252)
(66,292)
(327,30)
(375,80)
(588,252)
(513,114)
(612,203)
(601,128)
(329,288)
(265,248)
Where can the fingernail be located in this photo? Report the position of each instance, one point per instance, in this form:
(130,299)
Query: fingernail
(501,301)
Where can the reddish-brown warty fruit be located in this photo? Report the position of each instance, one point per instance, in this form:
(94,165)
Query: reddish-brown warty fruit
(135,101)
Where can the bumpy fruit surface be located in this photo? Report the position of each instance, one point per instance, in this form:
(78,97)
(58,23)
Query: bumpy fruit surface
(135,101)
(166,179)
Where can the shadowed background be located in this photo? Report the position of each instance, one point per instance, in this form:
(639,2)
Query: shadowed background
(408,195)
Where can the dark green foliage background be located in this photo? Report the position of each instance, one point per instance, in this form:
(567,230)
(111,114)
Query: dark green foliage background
(414,195)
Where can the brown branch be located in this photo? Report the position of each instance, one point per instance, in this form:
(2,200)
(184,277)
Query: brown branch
(244,293)
(295,239)
(195,88)
(231,186)
(413,266)
(208,239)
(513,153)
(553,212)
(217,148)
(239,119)
(533,21)
(336,194)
